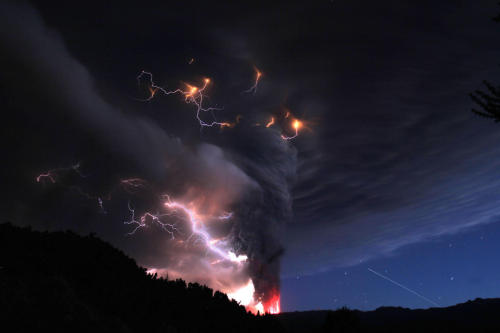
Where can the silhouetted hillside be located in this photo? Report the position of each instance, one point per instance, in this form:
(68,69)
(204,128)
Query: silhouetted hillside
(480,315)
(62,281)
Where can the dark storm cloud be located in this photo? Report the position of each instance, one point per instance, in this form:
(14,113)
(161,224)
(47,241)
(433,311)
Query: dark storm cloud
(395,157)
(400,160)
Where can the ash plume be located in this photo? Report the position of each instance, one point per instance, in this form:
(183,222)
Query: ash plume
(263,214)
(249,173)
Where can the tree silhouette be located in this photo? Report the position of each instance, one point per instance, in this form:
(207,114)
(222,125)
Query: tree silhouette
(489,101)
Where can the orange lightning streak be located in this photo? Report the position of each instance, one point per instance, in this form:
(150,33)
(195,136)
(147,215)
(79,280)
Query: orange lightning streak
(297,124)
(258,75)
(271,122)
(192,94)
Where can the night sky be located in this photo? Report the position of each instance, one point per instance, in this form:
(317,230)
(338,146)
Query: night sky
(391,174)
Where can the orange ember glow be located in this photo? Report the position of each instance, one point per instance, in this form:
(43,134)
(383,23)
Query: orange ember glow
(258,74)
(230,125)
(193,91)
(152,91)
(271,122)
(297,124)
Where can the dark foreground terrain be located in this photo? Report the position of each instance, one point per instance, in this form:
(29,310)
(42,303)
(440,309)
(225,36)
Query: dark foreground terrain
(64,282)
(480,315)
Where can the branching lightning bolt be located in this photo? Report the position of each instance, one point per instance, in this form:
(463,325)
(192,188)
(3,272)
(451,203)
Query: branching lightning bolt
(155,218)
(196,221)
(297,124)
(199,230)
(195,95)
(192,94)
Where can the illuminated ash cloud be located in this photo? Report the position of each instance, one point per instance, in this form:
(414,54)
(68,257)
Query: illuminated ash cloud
(263,213)
(213,213)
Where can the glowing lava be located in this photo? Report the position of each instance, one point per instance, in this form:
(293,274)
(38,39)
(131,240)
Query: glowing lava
(273,306)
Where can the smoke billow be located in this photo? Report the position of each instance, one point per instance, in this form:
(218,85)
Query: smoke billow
(248,173)
(262,214)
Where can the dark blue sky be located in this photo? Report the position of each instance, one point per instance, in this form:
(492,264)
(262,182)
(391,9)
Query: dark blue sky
(447,270)
(396,174)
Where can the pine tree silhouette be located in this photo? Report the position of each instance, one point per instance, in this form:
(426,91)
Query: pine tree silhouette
(488,101)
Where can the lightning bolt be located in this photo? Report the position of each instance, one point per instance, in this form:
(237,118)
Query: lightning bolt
(270,123)
(195,95)
(199,230)
(258,76)
(296,124)
(197,223)
(192,94)
(155,218)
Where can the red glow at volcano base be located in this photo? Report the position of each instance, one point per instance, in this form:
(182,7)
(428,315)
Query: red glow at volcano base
(273,306)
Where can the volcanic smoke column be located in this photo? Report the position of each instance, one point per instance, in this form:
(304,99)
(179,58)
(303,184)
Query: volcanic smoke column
(263,213)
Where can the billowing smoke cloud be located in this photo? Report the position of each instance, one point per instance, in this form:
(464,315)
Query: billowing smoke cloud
(263,214)
(250,176)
